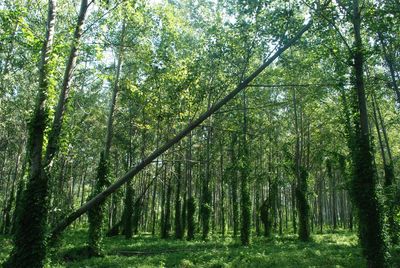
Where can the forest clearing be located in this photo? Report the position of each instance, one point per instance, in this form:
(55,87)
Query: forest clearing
(199,133)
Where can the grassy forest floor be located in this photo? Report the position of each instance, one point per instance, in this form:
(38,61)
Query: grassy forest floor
(338,249)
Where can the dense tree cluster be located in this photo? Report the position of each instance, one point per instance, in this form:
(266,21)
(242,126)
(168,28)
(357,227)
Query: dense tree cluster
(191,119)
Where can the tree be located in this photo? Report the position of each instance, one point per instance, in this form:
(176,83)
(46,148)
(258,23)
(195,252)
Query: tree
(95,214)
(364,180)
(30,245)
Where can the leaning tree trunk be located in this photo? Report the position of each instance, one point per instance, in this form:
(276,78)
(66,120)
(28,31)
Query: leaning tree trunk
(29,244)
(390,64)
(156,153)
(54,135)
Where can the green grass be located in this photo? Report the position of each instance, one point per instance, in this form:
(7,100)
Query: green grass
(327,250)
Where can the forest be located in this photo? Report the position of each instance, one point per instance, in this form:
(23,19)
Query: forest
(199,133)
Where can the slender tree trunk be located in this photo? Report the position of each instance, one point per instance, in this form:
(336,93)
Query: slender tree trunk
(245,230)
(320,204)
(6,227)
(332,179)
(234,186)
(388,168)
(178,201)
(163,195)
(153,207)
(293,203)
(128,212)
(153,197)
(222,199)
(54,135)
(167,220)
(279,204)
(191,205)
(390,64)
(301,190)
(206,193)
(95,215)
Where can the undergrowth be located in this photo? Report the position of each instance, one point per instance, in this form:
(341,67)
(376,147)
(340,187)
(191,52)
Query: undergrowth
(338,249)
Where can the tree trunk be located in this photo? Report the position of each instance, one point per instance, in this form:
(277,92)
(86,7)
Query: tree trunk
(234,186)
(332,179)
(363,184)
(206,193)
(95,224)
(222,199)
(190,203)
(54,135)
(29,246)
(178,201)
(167,220)
(245,230)
(320,203)
(388,168)
(301,189)
(128,212)
(390,64)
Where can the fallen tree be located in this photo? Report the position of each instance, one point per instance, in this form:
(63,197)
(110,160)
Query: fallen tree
(59,228)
